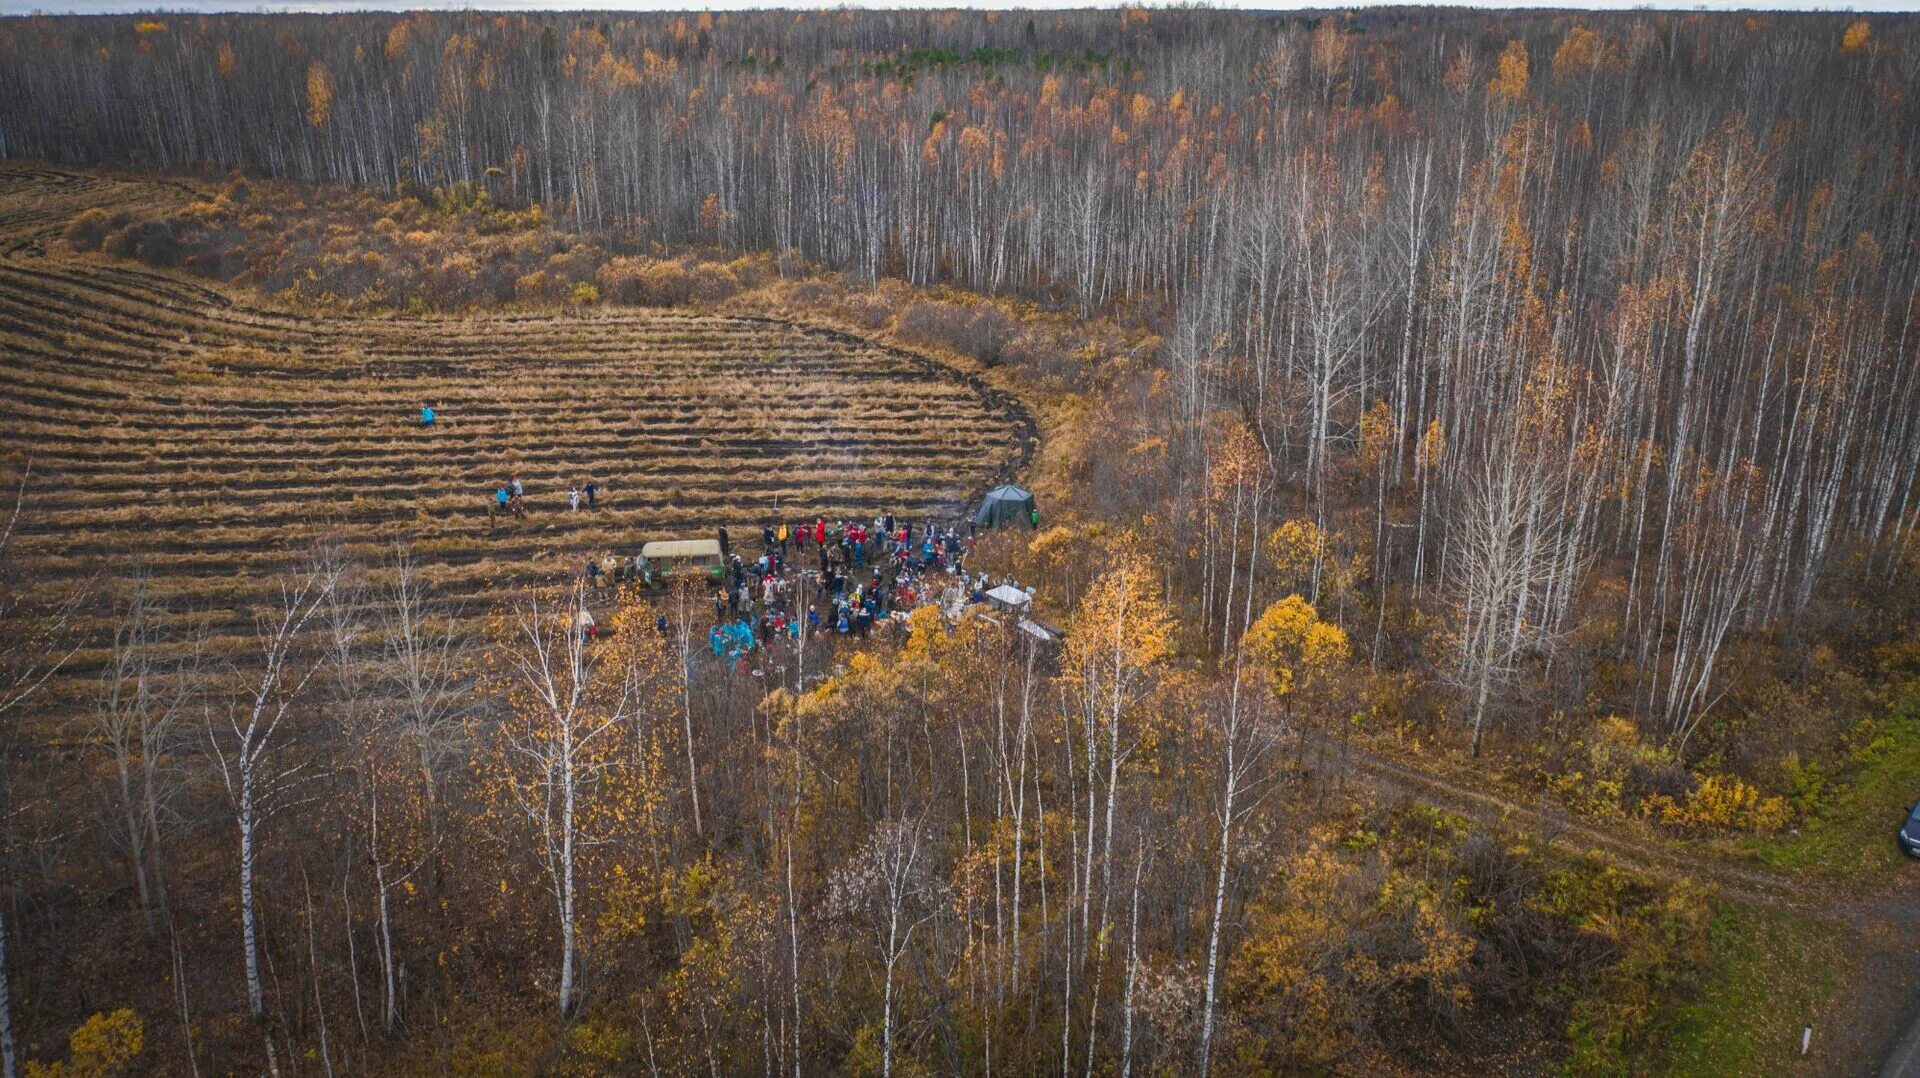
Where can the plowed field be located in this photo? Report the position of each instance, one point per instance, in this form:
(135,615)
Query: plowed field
(210,437)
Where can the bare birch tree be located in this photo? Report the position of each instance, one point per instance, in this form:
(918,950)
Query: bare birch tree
(558,741)
(250,748)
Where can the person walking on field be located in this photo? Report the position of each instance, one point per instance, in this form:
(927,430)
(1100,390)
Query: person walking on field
(782,536)
(726,547)
(573,499)
(592,491)
(494,504)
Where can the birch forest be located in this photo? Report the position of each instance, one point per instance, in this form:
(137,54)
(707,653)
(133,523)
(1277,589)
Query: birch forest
(1477,458)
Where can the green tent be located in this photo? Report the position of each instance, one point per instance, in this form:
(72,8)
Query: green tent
(1005,504)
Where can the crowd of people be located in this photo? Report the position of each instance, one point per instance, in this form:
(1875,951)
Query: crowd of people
(845,577)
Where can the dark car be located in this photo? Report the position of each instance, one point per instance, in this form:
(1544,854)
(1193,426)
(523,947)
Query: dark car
(1910,831)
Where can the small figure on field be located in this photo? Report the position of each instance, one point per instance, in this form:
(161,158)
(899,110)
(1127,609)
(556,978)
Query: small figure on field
(592,491)
(593,572)
(782,536)
(726,547)
(494,505)
(426,417)
(573,499)
(518,490)
(1033,518)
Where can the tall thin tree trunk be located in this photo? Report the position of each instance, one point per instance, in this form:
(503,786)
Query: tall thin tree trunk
(7,1059)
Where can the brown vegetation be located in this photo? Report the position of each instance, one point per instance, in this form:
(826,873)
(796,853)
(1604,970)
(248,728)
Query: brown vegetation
(195,435)
(1526,398)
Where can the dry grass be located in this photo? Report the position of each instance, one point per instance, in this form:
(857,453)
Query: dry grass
(212,436)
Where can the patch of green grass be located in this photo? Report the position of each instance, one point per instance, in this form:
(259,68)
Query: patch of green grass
(1850,835)
(1769,974)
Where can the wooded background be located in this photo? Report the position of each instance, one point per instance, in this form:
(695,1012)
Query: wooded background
(1545,381)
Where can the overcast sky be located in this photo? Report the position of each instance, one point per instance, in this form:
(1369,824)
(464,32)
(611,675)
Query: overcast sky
(91,7)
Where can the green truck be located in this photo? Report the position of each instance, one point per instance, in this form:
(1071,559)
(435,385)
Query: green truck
(668,559)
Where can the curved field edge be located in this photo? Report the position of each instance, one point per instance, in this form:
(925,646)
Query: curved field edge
(205,432)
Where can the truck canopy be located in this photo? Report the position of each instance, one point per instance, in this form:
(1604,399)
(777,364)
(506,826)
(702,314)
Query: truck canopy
(669,549)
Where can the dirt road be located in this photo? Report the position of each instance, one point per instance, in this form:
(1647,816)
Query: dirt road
(1886,1002)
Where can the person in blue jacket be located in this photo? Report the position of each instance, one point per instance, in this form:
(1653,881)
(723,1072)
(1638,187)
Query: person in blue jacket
(426,417)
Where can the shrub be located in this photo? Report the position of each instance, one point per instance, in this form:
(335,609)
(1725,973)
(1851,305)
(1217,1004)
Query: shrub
(753,270)
(532,287)
(809,294)
(620,281)
(219,254)
(601,1043)
(1034,351)
(712,282)
(576,264)
(104,1044)
(1620,772)
(152,242)
(1659,943)
(1721,801)
(664,284)
(865,309)
(584,294)
(978,330)
(89,229)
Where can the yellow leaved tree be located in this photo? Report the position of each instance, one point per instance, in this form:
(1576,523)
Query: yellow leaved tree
(1118,645)
(1292,648)
(1509,83)
(1121,634)
(1857,34)
(1295,550)
(105,1044)
(319,93)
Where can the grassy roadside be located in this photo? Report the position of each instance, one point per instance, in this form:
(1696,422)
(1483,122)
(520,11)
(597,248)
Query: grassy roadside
(1769,974)
(1850,835)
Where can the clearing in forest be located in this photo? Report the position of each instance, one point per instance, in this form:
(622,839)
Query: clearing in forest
(210,438)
